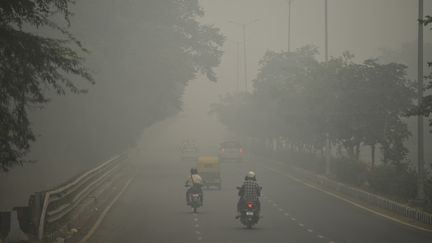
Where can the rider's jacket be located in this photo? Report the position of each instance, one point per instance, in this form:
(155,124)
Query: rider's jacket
(250,190)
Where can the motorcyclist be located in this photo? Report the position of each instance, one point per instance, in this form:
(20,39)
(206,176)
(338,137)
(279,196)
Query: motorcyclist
(249,191)
(194,182)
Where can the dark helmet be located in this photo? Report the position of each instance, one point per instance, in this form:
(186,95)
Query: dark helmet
(193,171)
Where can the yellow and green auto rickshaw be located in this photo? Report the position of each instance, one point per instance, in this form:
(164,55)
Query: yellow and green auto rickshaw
(209,169)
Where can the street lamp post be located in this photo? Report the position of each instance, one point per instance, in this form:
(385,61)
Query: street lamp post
(328,145)
(237,56)
(420,163)
(289,24)
(243,26)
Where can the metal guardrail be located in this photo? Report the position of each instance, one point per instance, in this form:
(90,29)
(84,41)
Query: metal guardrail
(367,197)
(58,203)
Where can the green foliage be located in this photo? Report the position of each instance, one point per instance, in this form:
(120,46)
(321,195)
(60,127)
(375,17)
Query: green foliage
(349,171)
(395,181)
(425,108)
(144,54)
(29,64)
(304,100)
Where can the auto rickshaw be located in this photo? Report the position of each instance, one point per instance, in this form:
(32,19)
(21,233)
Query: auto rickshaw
(209,169)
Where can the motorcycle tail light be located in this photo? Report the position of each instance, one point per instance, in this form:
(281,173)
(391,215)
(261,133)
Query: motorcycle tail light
(250,205)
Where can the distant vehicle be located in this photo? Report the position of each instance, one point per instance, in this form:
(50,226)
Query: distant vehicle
(209,169)
(231,150)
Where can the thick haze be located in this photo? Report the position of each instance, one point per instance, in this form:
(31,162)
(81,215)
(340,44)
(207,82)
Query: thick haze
(362,27)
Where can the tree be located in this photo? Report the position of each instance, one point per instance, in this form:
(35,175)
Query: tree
(425,107)
(31,63)
(304,100)
(144,54)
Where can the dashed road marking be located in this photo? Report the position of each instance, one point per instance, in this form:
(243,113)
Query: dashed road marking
(298,223)
(291,177)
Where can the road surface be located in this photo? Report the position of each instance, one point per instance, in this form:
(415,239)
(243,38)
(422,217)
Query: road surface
(153,210)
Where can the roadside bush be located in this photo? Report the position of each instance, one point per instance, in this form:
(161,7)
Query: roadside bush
(349,171)
(428,191)
(394,181)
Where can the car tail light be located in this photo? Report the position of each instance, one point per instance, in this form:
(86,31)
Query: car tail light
(250,205)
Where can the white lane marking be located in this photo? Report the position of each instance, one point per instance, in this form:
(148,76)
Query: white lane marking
(301,225)
(310,231)
(196,225)
(293,219)
(199,238)
(286,214)
(197,232)
(320,236)
(280,209)
(275,204)
(195,219)
(349,201)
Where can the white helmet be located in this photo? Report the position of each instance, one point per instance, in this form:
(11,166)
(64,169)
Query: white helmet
(250,175)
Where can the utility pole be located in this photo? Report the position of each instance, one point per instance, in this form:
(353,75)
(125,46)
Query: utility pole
(238,66)
(420,166)
(244,57)
(243,26)
(328,145)
(237,57)
(326,31)
(289,25)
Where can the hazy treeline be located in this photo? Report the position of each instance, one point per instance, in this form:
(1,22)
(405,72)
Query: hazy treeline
(141,55)
(304,100)
(300,101)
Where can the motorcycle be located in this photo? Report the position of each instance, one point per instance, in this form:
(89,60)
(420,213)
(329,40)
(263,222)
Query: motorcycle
(195,201)
(249,214)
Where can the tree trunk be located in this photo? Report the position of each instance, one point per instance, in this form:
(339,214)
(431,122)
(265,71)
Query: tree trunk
(373,155)
(357,151)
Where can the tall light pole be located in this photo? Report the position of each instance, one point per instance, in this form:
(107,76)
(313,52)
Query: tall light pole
(237,55)
(289,24)
(243,26)
(420,166)
(328,145)
(325,31)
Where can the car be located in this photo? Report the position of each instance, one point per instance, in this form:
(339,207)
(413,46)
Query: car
(231,150)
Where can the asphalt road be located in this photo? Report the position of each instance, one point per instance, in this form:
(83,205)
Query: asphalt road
(153,210)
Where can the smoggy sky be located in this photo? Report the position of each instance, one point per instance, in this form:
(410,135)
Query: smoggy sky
(359,26)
